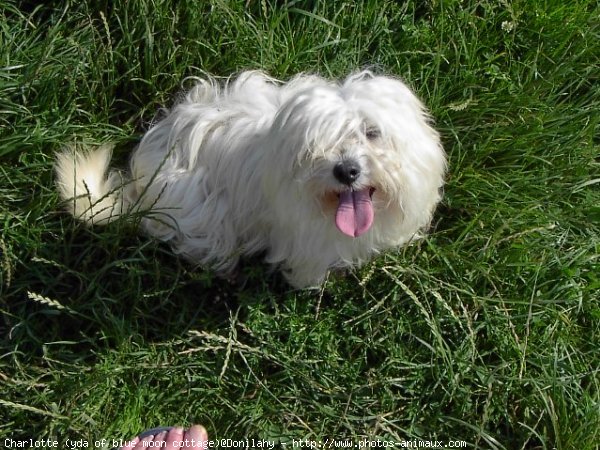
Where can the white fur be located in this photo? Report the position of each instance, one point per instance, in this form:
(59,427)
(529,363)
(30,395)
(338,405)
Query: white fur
(248,167)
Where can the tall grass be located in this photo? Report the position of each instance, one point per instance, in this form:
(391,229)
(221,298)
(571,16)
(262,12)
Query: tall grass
(486,332)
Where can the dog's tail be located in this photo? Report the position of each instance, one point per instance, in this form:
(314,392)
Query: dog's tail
(91,192)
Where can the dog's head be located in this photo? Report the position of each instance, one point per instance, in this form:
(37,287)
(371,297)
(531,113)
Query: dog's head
(361,153)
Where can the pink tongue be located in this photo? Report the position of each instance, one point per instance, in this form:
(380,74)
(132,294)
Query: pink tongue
(354,214)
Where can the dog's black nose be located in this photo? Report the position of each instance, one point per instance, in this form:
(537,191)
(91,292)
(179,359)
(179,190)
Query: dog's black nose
(346,171)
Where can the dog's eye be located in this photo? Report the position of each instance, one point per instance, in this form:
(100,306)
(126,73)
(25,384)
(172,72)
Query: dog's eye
(372,133)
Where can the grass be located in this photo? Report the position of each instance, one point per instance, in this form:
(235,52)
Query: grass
(485,332)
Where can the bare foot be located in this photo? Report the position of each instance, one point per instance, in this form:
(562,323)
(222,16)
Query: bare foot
(171,439)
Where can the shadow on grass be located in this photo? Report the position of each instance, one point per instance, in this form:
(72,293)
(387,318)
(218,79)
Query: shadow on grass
(93,290)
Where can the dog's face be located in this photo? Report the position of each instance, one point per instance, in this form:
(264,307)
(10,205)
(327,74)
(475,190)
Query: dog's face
(362,152)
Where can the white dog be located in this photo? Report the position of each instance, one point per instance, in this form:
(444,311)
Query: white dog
(314,173)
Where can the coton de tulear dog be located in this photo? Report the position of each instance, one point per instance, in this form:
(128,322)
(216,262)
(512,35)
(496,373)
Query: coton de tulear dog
(313,173)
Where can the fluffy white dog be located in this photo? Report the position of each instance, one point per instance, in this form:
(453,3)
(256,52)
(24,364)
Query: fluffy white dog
(314,173)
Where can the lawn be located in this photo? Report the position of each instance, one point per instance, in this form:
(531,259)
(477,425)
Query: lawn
(486,332)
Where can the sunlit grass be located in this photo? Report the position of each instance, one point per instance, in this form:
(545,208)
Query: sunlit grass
(486,331)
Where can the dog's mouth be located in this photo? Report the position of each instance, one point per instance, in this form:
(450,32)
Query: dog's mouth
(354,213)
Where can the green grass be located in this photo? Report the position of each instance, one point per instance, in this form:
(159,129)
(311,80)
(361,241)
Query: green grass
(487,331)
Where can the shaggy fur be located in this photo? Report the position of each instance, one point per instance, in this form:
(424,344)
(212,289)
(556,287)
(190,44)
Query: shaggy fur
(314,173)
